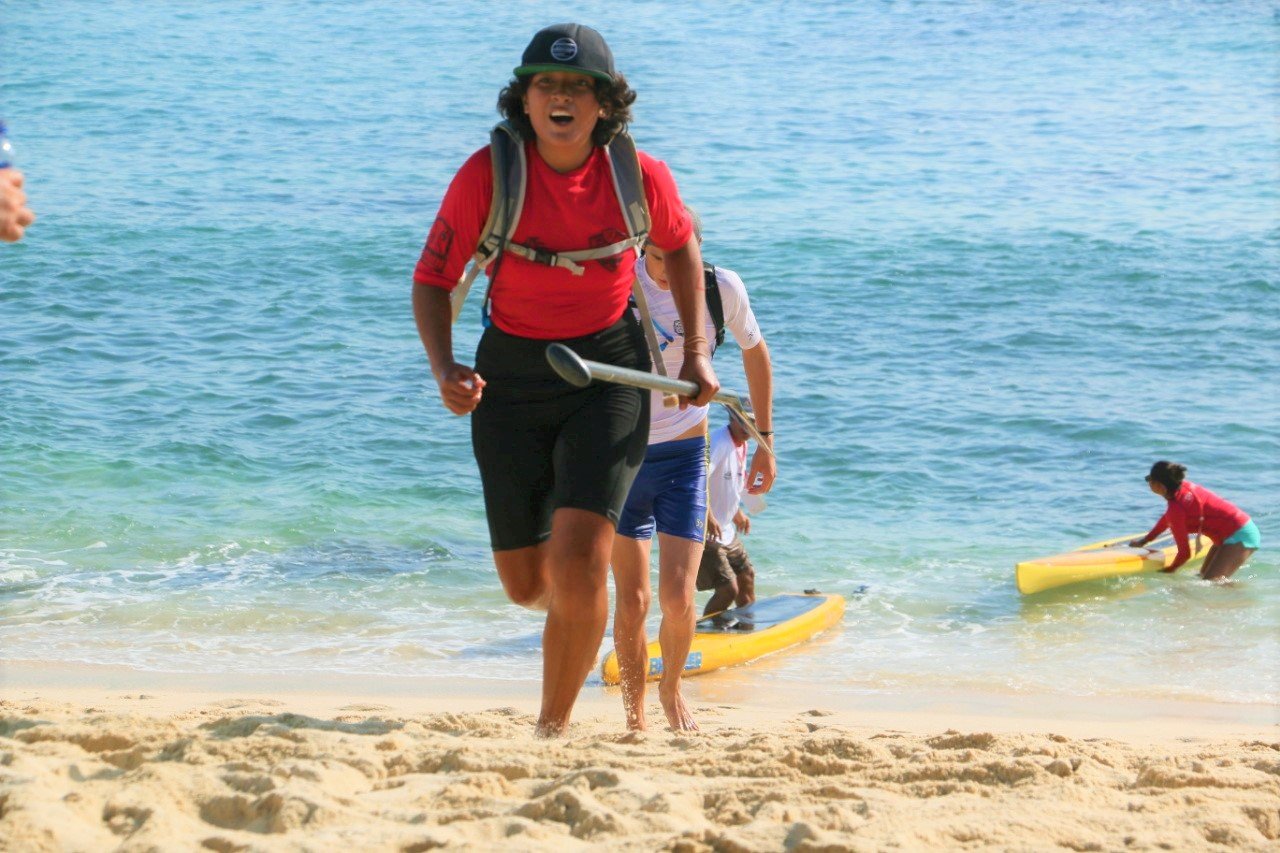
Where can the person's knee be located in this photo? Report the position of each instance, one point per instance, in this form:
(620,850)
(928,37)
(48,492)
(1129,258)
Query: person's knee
(580,596)
(531,596)
(721,599)
(524,578)
(675,603)
(633,604)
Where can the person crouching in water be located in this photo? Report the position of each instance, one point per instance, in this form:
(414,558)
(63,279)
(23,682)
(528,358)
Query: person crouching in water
(1193,508)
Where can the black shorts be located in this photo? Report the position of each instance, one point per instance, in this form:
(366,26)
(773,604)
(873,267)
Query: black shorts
(542,444)
(722,563)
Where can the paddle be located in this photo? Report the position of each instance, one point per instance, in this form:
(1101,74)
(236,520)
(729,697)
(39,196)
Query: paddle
(579,372)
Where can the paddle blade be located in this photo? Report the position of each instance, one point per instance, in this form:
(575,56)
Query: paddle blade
(569,365)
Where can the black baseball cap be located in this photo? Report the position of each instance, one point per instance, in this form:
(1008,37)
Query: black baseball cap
(568,47)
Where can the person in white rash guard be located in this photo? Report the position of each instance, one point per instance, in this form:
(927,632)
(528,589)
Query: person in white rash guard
(669,495)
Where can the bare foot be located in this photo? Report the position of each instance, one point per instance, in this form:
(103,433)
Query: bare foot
(633,690)
(636,721)
(546,729)
(678,714)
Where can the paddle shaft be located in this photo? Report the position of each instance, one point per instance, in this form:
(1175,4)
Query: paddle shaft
(602,372)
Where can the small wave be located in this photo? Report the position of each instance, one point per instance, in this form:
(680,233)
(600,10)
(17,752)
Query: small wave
(15,576)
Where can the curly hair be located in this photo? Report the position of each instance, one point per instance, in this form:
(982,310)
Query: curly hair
(615,97)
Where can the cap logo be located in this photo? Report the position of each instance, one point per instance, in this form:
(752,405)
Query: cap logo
(564,49)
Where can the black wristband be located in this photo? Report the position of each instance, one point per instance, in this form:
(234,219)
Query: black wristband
(765,432)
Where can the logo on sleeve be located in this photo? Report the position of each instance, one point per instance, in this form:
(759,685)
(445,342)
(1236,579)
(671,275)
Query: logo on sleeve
(436,253)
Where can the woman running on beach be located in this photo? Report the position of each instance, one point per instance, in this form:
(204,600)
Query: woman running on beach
(1192,507)
(556,462)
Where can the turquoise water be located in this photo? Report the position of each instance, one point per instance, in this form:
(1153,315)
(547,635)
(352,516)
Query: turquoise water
(1005,254)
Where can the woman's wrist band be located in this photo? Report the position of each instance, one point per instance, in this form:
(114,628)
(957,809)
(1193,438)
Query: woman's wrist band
(767,433)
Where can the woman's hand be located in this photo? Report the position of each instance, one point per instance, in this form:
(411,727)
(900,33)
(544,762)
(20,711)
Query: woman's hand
(460,388)
(697,368)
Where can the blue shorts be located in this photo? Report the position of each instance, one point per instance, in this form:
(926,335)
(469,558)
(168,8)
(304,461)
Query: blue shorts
(1249,536)
(670,492)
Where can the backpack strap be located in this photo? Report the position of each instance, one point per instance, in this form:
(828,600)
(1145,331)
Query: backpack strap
(510,180)
(570,260)
(646,323)
(628,183)
(714,306)
(628,186)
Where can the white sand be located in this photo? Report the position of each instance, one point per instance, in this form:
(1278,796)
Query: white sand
(179,767)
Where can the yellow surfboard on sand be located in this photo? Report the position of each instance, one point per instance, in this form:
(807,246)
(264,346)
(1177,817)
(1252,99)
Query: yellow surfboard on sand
(741,634)
(1106,559)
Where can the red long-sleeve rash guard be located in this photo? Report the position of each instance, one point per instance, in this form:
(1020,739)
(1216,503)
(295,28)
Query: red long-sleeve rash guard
(1195,509)
(562,212)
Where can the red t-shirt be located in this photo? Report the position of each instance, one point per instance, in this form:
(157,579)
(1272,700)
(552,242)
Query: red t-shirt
(562,213)
(1187,508)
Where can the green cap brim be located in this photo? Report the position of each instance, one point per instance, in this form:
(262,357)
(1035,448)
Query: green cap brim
(526,70)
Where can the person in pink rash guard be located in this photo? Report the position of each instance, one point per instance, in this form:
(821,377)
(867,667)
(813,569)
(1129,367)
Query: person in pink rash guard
(1195,509)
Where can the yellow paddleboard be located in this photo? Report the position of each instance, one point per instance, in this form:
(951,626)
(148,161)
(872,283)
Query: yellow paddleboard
(1107,559)
(745,633)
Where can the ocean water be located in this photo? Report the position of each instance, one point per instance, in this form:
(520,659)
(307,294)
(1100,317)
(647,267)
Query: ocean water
(1006,254)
